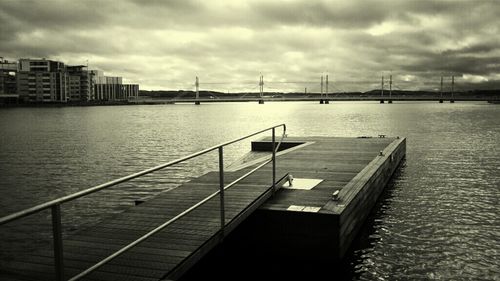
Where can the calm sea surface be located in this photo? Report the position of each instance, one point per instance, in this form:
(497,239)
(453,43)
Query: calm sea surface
(438,219)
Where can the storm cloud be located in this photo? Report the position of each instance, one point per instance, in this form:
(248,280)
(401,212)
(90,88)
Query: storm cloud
(165,44)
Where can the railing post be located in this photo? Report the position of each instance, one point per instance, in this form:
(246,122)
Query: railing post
(221,186)
(274,161)
(58,242)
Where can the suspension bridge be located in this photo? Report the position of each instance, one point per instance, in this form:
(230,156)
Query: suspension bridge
(322,91)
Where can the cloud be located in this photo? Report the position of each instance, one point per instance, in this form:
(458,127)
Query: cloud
(346,14)
(165,44)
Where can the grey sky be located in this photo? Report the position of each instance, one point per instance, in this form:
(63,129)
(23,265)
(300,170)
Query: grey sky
(165,44)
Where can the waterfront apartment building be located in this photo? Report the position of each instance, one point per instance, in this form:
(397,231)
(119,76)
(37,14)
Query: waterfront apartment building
(81,86)
(41,80)
(108,88)
(8,70)
(130,91)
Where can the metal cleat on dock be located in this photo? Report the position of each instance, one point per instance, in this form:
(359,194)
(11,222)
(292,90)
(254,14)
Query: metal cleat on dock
(335,195)
(290,179)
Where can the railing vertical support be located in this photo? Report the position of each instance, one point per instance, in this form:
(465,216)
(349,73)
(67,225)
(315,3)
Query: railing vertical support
(58,242)
(221,193)
(274,161)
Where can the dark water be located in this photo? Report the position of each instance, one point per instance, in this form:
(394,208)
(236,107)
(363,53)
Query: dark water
(437,220)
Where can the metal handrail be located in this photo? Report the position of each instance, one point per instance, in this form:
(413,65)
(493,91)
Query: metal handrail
(55,205)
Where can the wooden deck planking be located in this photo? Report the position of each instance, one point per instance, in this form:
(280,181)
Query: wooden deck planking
(42,272)
(90,254)
(334,160)
(190,232)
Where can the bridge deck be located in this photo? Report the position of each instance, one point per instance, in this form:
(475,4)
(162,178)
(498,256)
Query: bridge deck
(331,98)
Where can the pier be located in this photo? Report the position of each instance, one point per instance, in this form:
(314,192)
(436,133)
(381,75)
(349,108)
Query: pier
(306,195)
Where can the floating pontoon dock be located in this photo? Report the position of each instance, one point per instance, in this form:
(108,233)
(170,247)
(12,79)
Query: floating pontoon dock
(336,182)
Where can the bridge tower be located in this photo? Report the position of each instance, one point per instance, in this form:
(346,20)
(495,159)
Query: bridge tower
(326,92)
(197,85)
(452,88)
(261,89)
(382,91)
(321,96)
(441,91)
(390,89)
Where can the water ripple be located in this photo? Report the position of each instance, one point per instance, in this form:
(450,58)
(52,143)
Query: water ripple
(438,219)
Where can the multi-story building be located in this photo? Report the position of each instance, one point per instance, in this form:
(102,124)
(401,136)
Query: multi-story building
(130,91)
(80,83)
(41,80)
(109,88)
(8,77)
(106,88)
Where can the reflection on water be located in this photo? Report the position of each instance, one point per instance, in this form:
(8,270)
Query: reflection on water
(439,219)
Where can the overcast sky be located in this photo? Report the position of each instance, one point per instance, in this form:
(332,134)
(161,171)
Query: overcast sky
(165,44)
